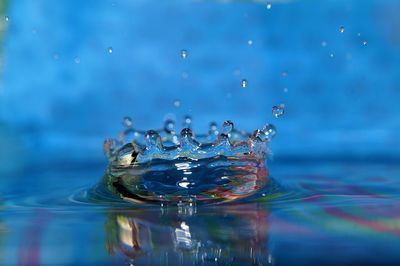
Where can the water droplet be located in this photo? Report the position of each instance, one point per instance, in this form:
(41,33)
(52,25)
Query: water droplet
(227,127)
(359,34)
(110,50)
(278,110)
(187,121)
(244,83)
(184,54)
(177,103)
(213,128)
(365,42)
(127,122)
(341,29)
(56,56)
(285,90)
(7,18)
(77,60)
(169,126)
(284,73)
(152,138)
(269,6)
(269,131)
(331,55)
(324,43)
(250,42)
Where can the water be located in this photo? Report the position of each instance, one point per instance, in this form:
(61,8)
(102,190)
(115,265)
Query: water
(342,215)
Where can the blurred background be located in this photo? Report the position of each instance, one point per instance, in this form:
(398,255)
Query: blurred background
(72,69)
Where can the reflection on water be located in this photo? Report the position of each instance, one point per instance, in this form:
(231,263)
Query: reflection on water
(226,235)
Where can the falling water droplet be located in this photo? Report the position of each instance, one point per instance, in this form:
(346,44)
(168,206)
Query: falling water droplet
(227,127)
(365,42)
(331,55)
(110,50)
(184,54)
(127,122)
(324,43)
(177,103)
(284,73)
(341,29)
(269,6)
(169,125)
(278,110)
(250,42)
(7,18)
(187,121)
(77,60)
(213,128)
(285,90)
(244,83)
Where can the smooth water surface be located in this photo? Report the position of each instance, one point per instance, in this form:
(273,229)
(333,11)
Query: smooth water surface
(328,212)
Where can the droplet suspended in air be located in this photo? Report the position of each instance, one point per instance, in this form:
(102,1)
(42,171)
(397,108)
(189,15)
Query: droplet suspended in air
(331,55)
(285,90)
(342,29)
(269,131)
(77,60)
(110,50)
(244,83)
(187,121)
(284,73)
(7,18)
(269,5)
(184,54)
(324,43)
(278,110)
(365,43)
(127,122)
(250,42)
(177,103)
(169,125)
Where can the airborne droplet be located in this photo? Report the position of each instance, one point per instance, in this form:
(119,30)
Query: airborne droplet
(184,54)
(7,18)
(244,83)
(278,110)
(341,29)
(127,122)
(269,6)
(110,50)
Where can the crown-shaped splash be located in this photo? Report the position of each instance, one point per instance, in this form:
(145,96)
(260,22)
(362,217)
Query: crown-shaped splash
(133,147)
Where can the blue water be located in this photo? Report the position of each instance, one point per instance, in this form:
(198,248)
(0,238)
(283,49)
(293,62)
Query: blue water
(335,162)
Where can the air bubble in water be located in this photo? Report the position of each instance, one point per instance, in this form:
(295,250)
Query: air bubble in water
(110,50)
(269,6)
(184,54)
(227,127)
(278,110)
(244,83)
(341,29)
(127,122)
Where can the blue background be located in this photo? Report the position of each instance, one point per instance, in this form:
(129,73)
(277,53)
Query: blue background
(345,106)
